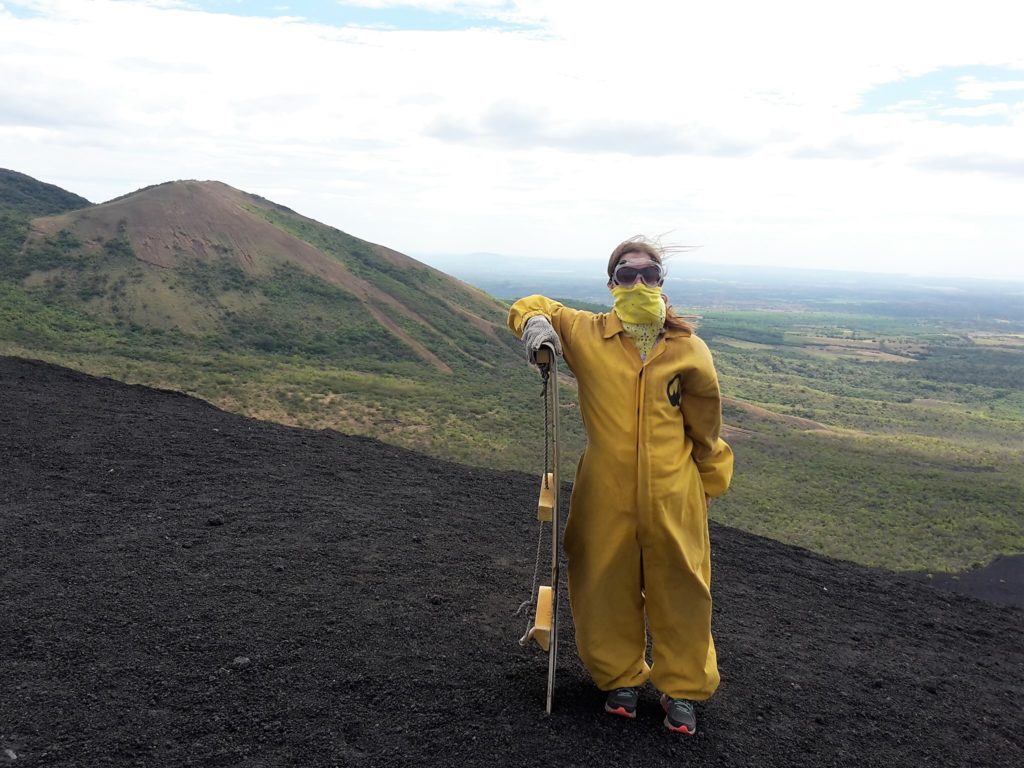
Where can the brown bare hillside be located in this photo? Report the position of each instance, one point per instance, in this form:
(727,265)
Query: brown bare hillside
(188,226)
(170,223)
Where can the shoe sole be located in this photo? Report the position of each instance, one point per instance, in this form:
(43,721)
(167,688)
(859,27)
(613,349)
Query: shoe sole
(620,711)
(681,729)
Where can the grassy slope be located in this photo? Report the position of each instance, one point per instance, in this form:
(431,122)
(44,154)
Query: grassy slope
(25,195)
(920,469)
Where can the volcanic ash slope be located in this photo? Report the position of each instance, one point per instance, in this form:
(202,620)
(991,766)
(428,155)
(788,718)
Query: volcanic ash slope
(183,586)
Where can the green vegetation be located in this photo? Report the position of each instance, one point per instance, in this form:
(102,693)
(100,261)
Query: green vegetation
(884,432)
(23,194)
(422,291)
(13,231)
(917,461)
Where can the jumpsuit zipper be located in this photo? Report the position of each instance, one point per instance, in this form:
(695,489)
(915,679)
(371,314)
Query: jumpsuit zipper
(640,485)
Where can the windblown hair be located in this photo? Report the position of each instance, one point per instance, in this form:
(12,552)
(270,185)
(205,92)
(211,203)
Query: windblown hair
(641,244)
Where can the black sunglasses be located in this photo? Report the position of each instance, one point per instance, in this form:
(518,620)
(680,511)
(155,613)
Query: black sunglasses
(652,274)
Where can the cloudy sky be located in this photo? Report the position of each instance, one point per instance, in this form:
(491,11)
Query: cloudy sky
(869,136)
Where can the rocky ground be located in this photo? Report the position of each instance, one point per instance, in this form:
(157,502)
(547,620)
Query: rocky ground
(1001,581)
(186,587)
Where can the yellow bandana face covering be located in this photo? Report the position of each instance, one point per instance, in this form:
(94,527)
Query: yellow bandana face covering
(644,336)
(639,303)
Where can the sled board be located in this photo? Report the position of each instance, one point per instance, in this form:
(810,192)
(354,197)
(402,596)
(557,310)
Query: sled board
(549,501)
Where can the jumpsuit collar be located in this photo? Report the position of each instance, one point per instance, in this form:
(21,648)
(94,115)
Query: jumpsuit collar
(613,325)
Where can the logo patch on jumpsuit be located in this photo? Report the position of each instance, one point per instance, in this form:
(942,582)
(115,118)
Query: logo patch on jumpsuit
(675,390)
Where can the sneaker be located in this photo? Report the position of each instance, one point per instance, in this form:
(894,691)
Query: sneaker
(679,715)
(622,701)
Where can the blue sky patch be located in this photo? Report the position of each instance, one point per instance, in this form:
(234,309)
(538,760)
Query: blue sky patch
(21,11)
(340,14)
(973,95)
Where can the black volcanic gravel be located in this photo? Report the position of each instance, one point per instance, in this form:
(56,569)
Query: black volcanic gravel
(185,587)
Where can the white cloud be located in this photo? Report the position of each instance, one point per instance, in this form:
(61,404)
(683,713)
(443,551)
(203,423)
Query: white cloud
(984,110)
(980,163)
(513,126)
(973,89)
(431,5)
(733,124)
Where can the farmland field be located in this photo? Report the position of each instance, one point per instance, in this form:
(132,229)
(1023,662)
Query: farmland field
(892,441)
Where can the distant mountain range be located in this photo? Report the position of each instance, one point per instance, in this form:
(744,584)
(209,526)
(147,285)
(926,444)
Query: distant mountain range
(695,282)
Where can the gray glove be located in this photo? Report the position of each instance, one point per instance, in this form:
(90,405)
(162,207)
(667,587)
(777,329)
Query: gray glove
(537,332)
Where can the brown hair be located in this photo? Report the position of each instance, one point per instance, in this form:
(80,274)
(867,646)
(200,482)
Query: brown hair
(641,244)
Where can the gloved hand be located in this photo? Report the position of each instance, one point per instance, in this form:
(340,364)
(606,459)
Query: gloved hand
(536,332)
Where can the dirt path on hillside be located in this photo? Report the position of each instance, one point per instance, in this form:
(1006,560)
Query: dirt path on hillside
(186,587)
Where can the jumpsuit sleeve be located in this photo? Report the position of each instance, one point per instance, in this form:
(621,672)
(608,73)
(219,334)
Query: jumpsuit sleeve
(702,414)
(561,316)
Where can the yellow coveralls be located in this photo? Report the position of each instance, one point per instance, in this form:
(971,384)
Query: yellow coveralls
(637,536)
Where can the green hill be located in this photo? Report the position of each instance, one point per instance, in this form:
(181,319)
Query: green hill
(21,198)
(200,287)
(23,194)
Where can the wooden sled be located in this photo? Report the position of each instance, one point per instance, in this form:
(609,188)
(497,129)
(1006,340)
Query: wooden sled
(544,630)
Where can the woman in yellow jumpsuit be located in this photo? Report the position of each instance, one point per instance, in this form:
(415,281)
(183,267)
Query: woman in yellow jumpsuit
(637,536)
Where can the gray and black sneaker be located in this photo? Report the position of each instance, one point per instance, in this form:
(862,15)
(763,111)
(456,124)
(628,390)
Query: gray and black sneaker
(622,701)
(679,715)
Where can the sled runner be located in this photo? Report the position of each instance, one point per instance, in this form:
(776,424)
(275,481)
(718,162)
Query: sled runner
(544,628)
